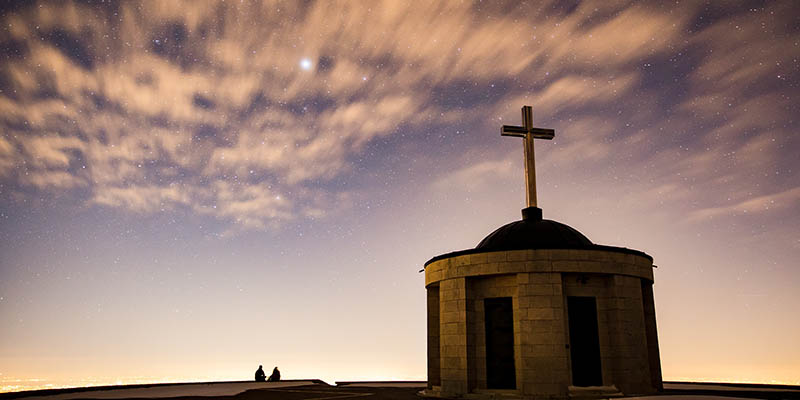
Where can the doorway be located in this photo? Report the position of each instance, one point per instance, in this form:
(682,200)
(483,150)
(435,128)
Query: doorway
(584,343)
(499,318)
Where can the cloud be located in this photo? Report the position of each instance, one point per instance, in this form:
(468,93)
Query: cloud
(475,178)
(244,206)
(587,139)
(52,151)
(53,180)
(193,103)
(248,205)
(788,199)
(573,92)
(141,199)
(8,157)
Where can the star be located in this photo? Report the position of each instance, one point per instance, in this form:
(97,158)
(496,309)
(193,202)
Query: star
(306,64)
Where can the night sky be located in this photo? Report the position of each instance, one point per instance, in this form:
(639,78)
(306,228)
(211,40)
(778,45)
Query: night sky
(191,189)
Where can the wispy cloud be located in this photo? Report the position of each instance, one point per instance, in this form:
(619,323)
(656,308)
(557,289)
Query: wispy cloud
(475,177)
(191,103)
(789,199)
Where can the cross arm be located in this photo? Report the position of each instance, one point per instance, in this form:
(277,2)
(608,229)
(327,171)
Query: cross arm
(540,133)
(509,130)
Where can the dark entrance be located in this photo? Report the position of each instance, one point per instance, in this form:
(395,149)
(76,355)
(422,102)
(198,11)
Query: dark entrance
(584,343)
(500,372)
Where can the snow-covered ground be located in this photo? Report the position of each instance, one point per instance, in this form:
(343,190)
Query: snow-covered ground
(234,388)
(398,384)
(723,388)
(161,391)
(685,397)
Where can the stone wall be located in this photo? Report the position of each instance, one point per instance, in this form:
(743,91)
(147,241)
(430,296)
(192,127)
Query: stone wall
(542,338)
(652,334)
(516,261)
(453,335)
(481,289)
(434,362)
(623,342)
(538,282)
(629,355)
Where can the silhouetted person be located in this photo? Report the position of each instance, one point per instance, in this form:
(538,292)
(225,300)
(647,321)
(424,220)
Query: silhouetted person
(276,375)
(260,375)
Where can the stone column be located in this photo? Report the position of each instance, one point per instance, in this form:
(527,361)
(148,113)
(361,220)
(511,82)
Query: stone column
(654,356)
(453,336)
(434,362)
(630,366)
(542,336)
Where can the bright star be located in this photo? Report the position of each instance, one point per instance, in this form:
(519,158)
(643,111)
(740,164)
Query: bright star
(305,64)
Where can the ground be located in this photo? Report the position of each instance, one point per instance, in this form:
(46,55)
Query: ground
(318,390)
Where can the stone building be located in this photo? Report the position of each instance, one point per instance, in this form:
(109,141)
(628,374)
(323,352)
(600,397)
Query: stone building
(538,310)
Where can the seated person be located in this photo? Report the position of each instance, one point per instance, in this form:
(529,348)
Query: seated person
(260,375)
(276,375)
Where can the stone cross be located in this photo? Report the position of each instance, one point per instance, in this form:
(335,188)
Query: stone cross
(527,132)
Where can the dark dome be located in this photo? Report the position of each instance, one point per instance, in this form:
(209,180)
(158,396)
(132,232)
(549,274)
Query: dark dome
(533,232)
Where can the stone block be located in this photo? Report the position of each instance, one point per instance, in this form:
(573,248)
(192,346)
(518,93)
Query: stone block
(634,303)
(448,294)
(453,316)
(554,339)
(539,328)
(523,278)
(614,268)
(538,266)
(453,387)
(479,258)
(548,254)
(433,277)
(469,270)
(507,281)
(567,266)
(490,268)
(511,267)
(599,255)
(450,306)
(579,254)
(516,255)
(496,256)
(438,265)
(552,389)
(449,341)
(541,301)
(617,257)
(596,267)
(525,326)
(537,289)
(530,254)
(540,313)
(460,260)
(540,278)
(541,363)
(539,350)
(641,261)
(450,328)
(527,387)
(557,289)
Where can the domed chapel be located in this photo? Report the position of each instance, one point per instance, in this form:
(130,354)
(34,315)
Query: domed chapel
(537,310)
